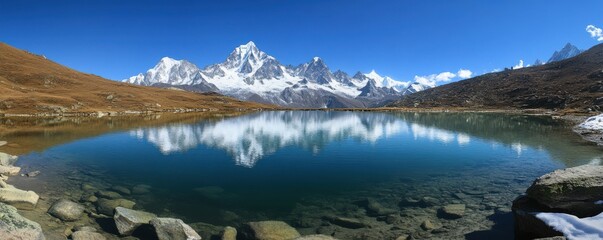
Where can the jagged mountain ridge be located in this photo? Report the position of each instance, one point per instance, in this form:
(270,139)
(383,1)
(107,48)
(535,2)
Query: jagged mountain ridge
(574,84)
(253,75)
(566,52)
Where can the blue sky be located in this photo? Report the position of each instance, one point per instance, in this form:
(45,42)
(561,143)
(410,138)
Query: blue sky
(401,39)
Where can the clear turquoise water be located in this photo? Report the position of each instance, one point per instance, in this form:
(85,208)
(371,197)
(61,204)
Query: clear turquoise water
(276,165)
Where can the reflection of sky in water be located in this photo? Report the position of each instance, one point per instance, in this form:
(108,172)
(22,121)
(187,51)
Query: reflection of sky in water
(249,138)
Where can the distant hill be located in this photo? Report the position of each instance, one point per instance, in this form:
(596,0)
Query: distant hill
(573,83)
(31,83)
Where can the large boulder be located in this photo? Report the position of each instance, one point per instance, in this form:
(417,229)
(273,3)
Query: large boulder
(15,226)
(66,210)
(171,228)
(107,206)
(128,220)
(572,190)
(269,230)
(576,191)
(19,198)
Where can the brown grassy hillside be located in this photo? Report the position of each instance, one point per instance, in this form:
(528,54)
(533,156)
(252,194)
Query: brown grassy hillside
(32,84)
(571,84)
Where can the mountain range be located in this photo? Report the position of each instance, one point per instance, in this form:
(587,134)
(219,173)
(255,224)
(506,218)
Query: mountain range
(252,75)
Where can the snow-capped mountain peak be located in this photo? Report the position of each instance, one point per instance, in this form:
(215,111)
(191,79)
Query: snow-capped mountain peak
(251,74)
(386,82)
(566,52)
(246,58)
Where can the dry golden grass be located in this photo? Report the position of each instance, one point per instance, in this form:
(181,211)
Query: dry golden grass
(31,84)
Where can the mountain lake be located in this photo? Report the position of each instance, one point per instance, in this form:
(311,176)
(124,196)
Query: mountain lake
(352,175)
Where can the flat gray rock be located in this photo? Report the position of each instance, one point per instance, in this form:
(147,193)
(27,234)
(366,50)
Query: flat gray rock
(453,211)
(128,220)
(171,228)
(66,210)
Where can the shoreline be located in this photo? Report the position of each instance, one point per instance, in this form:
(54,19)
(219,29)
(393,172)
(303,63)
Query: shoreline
(569,118)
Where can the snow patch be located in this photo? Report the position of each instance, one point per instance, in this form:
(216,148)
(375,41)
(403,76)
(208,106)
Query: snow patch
(593,123)
(573,227)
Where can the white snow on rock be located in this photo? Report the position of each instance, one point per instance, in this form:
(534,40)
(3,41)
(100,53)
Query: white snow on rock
(573,227)
(593,123)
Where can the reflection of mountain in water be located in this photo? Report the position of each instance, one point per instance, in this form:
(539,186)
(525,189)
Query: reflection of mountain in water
(519,132)
(249,138)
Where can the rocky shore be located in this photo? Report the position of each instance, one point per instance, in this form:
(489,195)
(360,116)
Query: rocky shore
(576,192)
(101,214)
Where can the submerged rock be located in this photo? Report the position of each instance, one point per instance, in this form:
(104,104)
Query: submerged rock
(346,222)
(108,195)
(572,190)
(453,211)
(32,174)
(427,225)
(206,230)
(15,226)
(86,235)
(88,188)
(121,190)
(107,206)
(315,237)
(84,228)
(374,208)
(269,230)
(141,189)
(2,143)
(66,210)
(229,233)
(19,198)
(171,228)
(128,220)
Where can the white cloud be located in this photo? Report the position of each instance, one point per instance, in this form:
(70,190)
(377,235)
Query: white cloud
(464,73)
(433,79)
(426,80)
(519,65)
(445,76)
(595,32)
